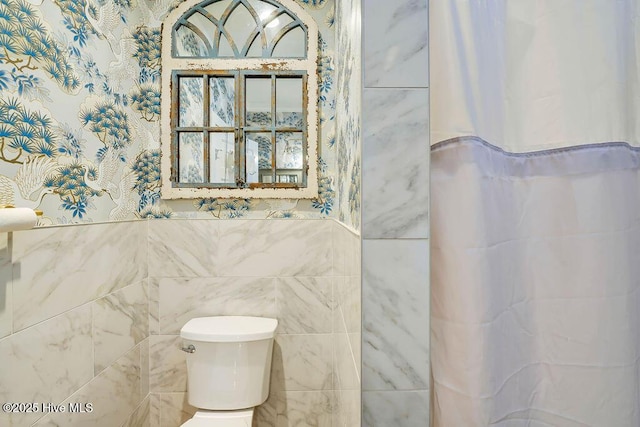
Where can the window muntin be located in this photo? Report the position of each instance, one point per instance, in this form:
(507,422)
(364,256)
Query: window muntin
(236,129)
(217,147)
(239,29)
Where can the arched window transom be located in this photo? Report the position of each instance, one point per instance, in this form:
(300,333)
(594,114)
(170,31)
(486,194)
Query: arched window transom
(239,29)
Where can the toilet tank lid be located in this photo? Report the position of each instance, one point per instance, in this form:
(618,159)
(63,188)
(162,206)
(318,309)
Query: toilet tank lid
(229,328)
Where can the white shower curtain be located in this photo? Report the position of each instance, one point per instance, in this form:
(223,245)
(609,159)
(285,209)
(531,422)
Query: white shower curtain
(535,184)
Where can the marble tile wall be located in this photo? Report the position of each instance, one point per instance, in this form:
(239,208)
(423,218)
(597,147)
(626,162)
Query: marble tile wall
(347,327)
(287,269)
(396,43)
(74,324)
(395,255)
(115,345)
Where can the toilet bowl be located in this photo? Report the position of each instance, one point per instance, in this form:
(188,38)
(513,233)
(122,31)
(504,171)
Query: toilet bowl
(241,418)
(228,368)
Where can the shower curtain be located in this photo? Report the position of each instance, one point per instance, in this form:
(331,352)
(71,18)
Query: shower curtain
(535,213)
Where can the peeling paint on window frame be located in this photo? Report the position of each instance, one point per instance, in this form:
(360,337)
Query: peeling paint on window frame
(268,66)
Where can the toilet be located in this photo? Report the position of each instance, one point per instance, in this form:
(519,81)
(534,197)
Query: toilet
(228,368)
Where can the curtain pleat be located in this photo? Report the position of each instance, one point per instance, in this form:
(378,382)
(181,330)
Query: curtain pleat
(535,264)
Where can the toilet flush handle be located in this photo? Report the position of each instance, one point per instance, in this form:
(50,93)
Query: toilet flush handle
(190,349)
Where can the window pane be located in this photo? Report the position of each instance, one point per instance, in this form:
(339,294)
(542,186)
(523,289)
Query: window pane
(289,154)
(190,150)
(258,101)
(289,102)
(224,48)
(289,177)
(222,100)
(273,28)
(256,49)
(216,9)
(291,45)
(188,43)
(222,157)
(240,25)
(191,101)
(206,27)
(263,9)
(258,157)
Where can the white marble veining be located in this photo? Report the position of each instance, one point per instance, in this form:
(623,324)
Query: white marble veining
(275,248)
(59,268)
(395,353)
(346,347)
(396,163)
(337,319)
(346,317)
(144,368)
(46,362)
(114,394)
(141,416)
(304,305)
(395,408)
(346,251)
(339,241)
(346,408)
(183,248)
(154,409)
(174,409)
(353,257)
(167,364)
(348,300)
(395,286)
(353,304)
(305,408)
(142,231)
(396,43)
(182,299)
(302,363)
(120,321)
(153,285)
(278,269)
(344,364)
(356,349)
(294,283)
(266,415)
(6,293)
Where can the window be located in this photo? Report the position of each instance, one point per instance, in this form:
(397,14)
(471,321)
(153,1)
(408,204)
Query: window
(242,119)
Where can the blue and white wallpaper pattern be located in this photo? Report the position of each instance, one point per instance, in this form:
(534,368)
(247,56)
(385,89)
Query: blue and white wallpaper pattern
(348,109)
(80,107)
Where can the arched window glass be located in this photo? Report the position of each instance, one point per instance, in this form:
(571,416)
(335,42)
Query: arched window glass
(242,85)
(239,29)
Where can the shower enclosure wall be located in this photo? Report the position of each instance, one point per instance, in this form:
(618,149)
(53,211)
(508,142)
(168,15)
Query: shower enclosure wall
(395,294)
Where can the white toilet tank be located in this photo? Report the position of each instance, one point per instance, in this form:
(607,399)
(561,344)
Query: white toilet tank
(230,364)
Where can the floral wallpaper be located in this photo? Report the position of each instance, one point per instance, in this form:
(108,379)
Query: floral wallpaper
(80,107)
(348,110)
